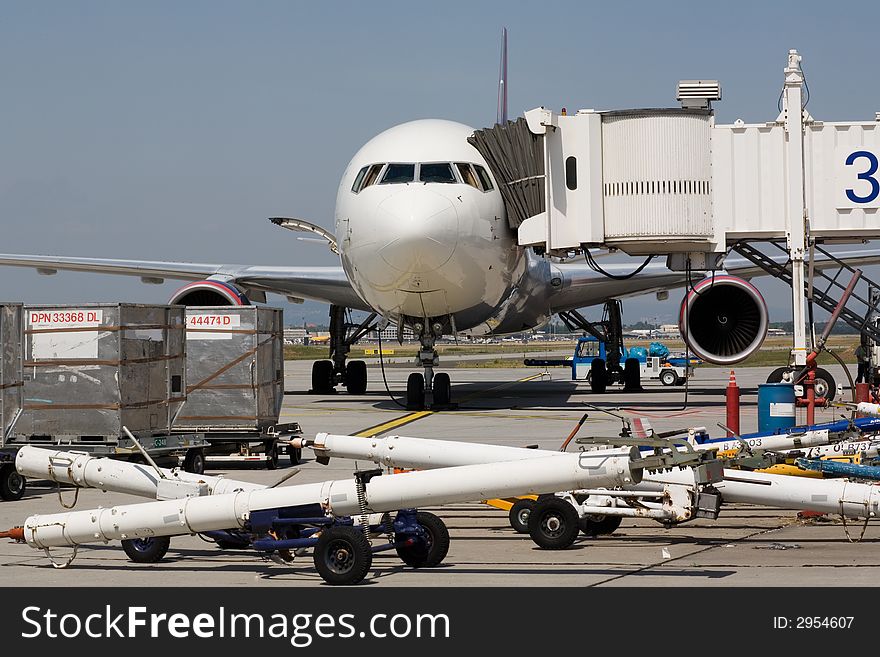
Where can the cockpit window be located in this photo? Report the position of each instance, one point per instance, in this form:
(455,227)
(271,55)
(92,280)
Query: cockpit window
(399,173)
(484,178)
(371,176)
(440,172)
(468,177)
(357,181)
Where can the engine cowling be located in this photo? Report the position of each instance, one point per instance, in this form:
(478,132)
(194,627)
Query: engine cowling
(723,319)
(209,293)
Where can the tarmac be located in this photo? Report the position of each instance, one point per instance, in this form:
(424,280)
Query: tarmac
(745,546)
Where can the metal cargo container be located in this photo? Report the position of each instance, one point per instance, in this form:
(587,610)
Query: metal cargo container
(234,368)
(91,369)
(10,366)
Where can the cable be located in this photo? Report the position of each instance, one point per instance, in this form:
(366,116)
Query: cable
(382,366)
(617,277)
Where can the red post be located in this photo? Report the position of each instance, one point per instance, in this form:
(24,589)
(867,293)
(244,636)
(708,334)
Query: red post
(863,392)
(732,405)
(810,383)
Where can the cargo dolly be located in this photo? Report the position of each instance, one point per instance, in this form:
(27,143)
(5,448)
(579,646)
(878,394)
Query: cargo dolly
(263,445)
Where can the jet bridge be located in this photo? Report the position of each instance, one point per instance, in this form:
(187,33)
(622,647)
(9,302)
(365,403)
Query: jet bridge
(673,181)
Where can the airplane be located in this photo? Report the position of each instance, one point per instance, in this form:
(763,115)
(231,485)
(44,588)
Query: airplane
(423,242)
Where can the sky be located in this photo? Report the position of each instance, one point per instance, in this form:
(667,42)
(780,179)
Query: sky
(172,130)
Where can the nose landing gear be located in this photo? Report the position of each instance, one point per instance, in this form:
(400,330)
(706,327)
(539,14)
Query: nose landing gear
(428,389)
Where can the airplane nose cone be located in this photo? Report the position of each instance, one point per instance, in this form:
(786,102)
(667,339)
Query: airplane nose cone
(425,228)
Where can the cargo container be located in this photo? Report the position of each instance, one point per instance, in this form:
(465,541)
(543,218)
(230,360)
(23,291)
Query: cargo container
(12,484)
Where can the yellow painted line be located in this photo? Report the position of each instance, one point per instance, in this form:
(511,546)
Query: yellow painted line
(369,432)
(409,418)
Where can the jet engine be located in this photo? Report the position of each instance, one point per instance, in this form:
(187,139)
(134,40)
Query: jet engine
(209,293)
(723,319)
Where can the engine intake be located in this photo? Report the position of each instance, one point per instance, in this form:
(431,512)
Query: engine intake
(723,319)
(209,293)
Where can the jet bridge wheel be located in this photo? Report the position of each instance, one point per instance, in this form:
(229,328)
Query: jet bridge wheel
(591,526)
(553,524)
(12,484)
(519,515)
(342,555)
(146,550)
(429,553)
(598,376)
(415,392)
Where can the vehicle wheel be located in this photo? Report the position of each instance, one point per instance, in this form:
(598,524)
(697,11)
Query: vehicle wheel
(415,392)
(272,454)
(194,461)
(776,375)
(519,515)
(442,389)
(825,385)
(356,377)
(668,377)
(592,527)
(598,376)
(322,376)
(295,454)
(680,381)
(632,374)
(12,484)
(342,555)
(553,524)
(421,555)
(146,550)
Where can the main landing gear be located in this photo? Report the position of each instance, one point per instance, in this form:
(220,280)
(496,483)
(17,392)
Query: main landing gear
(327,374)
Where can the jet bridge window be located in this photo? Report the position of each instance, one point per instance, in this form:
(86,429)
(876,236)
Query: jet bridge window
(484,178)
(399,173)
(370,177)
(436,173)
(468,177)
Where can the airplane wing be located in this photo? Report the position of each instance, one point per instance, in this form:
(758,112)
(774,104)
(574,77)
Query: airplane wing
(582,286)
(327,284)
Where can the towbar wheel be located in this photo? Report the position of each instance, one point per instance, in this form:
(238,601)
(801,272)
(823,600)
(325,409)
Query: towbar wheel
(12,484)
(519,515)
(553,524)
(428,550)
(146,550)
(599,525)
(342,555)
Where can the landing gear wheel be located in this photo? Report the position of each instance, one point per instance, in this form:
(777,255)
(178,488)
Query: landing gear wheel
(12,484)
(415,392)
(668,377)
(194,461)
(598,376)
(146,550)
(356,377)
(776,375)
(271,449)
(592,527)
(431,553)
(442,389)
(295,454)
(553,524)
(519,515)
(342,555)
(632,374)
(322,377)
(825,385)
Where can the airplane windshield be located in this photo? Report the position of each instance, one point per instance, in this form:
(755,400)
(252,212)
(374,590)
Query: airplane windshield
(371,176)
(436,173)
(484,177)
(467,174)
(399,173)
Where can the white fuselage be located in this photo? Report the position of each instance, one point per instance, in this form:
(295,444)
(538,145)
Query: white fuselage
(418,248)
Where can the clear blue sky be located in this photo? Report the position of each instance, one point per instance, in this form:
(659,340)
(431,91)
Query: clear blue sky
(171,130)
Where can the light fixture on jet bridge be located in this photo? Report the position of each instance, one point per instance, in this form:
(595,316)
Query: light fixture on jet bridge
(698,94)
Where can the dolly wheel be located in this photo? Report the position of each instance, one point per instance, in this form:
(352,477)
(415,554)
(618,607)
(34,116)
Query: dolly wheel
(146,550)
(553,524)
(519,515)
(342,555)
(427,553)
(295,454)
(194,461)
(12,484)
